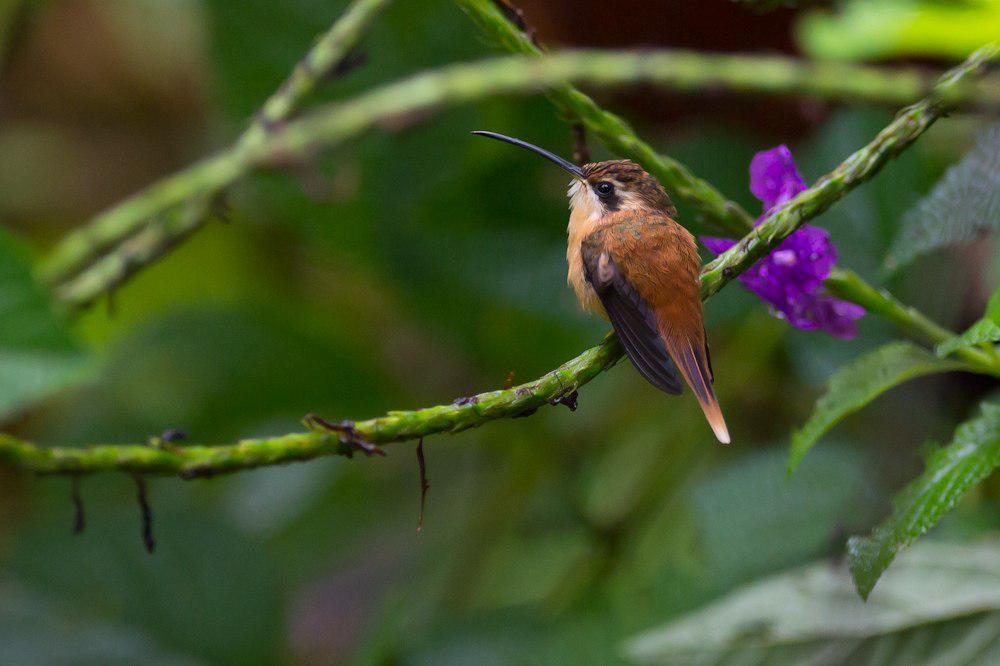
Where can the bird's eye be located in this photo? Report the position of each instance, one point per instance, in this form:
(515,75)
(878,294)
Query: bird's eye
(604,188)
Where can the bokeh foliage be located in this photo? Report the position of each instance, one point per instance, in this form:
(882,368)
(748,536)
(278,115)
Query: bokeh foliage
(406,269)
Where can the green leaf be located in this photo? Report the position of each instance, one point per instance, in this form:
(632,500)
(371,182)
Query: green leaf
(862,30)
(961,207)
(941,601)
(986,329)
(37,354)
(972,455)
(858,383)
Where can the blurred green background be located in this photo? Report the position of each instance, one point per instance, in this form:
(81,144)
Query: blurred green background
(406,269)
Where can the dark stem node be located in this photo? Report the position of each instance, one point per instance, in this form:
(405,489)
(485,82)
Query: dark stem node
(515,15)
(570,400)
(347,433)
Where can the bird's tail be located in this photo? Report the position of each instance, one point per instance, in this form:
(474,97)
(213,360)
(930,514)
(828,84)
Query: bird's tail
(693,363)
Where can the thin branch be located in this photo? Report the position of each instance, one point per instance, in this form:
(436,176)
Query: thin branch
(206,461)
(909,124)
(135,253)
(332,124)
(331,51)
(709,204)
(84,246)
(552,388)
(518,37)
(847,285)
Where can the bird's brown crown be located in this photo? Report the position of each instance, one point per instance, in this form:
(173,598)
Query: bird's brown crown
(623,184)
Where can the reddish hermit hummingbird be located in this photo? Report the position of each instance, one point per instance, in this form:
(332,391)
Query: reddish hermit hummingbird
(631,263)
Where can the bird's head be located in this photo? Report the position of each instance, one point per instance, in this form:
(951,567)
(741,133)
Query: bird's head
(600,188)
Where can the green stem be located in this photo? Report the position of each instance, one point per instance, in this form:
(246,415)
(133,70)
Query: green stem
(492,22)
(847,285)
(329,52)
(197,461)
(134,253)
(88,243)
(205,461)
(859,167)
(81,248)
(686,186)
(332,124)
(743,73)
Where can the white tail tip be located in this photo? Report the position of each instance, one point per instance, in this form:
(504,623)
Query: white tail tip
(721,432)
(715,419)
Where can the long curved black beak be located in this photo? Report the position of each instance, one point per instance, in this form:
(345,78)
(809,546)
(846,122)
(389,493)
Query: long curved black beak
(565,164)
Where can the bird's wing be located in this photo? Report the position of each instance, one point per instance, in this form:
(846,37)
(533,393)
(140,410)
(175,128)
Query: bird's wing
(632,317)
(644,267)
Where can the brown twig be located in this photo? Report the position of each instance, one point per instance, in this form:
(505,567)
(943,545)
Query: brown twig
(147,513)
(424,485)
(347,432)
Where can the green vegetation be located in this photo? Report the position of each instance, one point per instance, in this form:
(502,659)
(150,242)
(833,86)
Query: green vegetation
(346,249)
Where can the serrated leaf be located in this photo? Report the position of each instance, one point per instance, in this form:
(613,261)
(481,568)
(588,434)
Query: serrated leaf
(950,472)
(961,207)
(37,354)
(986,329)
(858,383)
(940,601)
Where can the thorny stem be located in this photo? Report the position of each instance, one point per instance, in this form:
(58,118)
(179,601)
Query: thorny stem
(330,52)
(709,204)
(134,253)
(908,125)
(206,461)
(85,246)
(200,461)
(328,127)
(698,71)
(332,124)
(514,35)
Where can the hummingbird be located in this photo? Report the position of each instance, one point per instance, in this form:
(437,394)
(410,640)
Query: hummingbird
(632,264)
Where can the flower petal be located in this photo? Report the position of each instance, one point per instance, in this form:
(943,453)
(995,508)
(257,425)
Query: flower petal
(790,278)
(717,245)
(774,179)
(839,318)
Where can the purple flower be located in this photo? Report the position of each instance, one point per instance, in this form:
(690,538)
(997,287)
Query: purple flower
(791,277)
